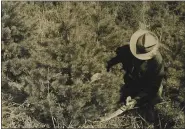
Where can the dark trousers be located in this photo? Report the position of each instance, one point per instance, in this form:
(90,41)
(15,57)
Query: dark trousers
(134,89)
(128,90)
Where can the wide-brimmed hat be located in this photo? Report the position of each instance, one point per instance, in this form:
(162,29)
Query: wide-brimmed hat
(144,44)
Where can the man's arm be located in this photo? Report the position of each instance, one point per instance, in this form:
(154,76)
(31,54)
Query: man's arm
(155,75)
(122,53)
(113,62)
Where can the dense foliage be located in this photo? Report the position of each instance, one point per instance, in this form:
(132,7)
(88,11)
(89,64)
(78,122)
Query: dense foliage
(51,50)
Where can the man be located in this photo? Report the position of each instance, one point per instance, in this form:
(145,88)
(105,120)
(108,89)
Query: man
(144,68)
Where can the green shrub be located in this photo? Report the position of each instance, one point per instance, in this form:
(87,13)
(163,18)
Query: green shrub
(52,50)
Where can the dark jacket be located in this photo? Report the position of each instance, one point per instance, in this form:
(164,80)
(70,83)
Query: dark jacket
(144,76)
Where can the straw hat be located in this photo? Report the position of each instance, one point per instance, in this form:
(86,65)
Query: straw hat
(144,44)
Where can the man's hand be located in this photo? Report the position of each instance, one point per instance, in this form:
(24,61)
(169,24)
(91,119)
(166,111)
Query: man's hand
(130,103)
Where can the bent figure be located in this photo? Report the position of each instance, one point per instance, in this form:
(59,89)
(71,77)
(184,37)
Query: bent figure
(144,68)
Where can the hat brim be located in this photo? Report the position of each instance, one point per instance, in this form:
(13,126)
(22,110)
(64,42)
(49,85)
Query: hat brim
(133,48)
